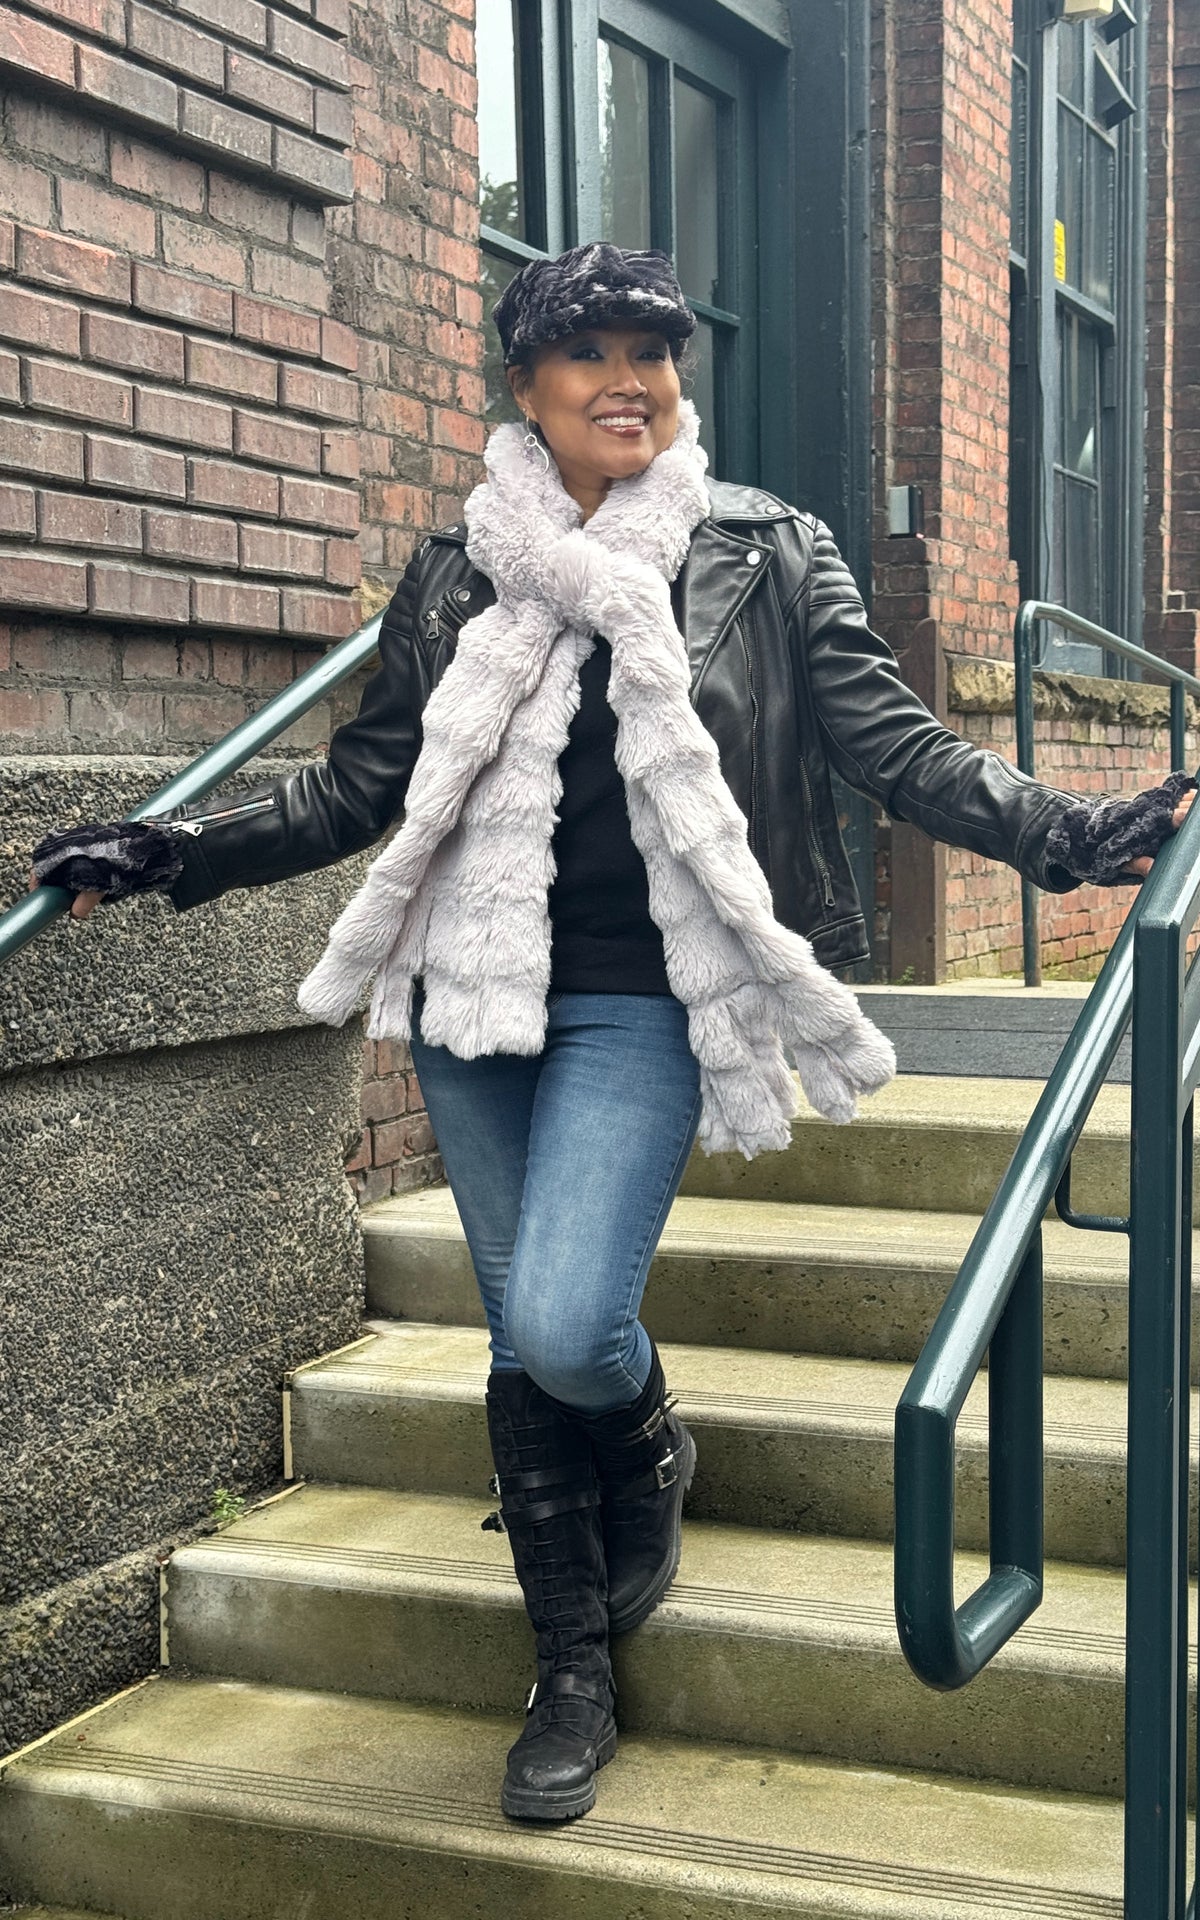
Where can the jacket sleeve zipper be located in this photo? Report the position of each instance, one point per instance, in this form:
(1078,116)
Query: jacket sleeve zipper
(196,825)
(811,834)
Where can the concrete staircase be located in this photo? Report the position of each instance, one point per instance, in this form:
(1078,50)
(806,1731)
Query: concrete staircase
(347,1662)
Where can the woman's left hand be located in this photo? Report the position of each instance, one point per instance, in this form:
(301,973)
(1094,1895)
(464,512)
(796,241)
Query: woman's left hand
(1142,867)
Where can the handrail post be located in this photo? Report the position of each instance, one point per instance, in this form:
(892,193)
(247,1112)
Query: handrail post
(1031,945)
(1015,1438)
(1178,727)
(1156,1767)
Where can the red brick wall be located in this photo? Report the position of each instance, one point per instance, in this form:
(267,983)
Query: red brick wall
(406,279)
(941,116)
(941,127)
(396,1150)
(224,392)
(1173,575)
(1091,737)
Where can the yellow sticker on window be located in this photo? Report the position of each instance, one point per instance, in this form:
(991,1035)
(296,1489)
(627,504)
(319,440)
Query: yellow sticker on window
(1060,251)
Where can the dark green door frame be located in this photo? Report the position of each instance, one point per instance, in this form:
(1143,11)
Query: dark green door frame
(830,311)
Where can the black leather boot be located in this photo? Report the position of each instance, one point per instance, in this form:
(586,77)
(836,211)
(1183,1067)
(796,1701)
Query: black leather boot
(549,1507)
(645,1458)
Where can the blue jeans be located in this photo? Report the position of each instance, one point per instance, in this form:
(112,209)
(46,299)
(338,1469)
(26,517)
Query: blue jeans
(563,1166)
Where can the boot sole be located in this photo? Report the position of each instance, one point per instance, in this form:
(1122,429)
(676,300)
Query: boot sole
(636,1611)
(531,1803)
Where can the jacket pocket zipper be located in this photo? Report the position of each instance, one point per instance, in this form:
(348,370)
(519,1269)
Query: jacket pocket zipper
(811,832)
(445,620)
(197,824)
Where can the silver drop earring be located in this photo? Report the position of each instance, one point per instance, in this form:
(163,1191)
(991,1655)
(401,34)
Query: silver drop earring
(533,448)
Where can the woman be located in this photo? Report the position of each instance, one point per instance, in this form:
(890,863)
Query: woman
(609,704)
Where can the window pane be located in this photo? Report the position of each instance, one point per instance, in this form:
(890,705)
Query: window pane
(697,252)
(1082,536)
(701,386)
(1097,267)
(499,403)
(1074,45)
(1079,375)
(1074,576)
(499,146)
(1070,190)
(624,98)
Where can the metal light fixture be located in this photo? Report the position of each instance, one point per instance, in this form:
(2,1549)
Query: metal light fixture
(906,513)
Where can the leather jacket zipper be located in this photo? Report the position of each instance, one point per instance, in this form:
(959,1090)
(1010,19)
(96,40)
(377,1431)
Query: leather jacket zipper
(445,620)
(754,797)
(811,834)
(196,825)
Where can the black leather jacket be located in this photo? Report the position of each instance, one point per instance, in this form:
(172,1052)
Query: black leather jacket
(786,675)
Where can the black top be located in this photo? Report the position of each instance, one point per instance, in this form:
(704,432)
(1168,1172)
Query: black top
(603,939)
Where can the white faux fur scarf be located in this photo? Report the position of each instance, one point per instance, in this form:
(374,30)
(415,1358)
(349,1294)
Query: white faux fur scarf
(459,896)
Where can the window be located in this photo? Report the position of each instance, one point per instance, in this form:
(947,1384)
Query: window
(1074,497)
(512,163)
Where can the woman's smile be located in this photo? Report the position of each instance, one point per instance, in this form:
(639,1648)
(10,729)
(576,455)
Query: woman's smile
(628,424)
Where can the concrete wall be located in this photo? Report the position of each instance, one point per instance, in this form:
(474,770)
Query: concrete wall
(176,1230)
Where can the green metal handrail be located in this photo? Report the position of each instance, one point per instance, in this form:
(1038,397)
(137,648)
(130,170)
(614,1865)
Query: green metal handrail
(1029,615)
(1165,1073)
(225,757)
(994,1310)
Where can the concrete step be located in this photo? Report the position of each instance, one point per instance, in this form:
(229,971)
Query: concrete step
(223,1800)
(935,1143)
(999,1029)
(770,1639)
(793,1441)
(780,1276)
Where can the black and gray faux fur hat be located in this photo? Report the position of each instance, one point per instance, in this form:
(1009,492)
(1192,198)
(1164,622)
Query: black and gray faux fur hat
(594,286)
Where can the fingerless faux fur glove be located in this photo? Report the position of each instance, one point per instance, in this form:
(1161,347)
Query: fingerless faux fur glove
(1096,840)
(124,857)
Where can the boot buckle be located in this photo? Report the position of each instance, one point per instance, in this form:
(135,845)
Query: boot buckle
(666,1472)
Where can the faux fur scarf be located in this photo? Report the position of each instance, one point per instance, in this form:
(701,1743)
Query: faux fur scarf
(459,895)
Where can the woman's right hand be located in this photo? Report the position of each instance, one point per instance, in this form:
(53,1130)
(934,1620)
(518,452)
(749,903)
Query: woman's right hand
(81,905)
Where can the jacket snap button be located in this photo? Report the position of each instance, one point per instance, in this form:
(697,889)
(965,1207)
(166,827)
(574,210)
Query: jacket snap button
(754,558)
(462,593)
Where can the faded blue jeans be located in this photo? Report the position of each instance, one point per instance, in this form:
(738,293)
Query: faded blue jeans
(563,1166)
